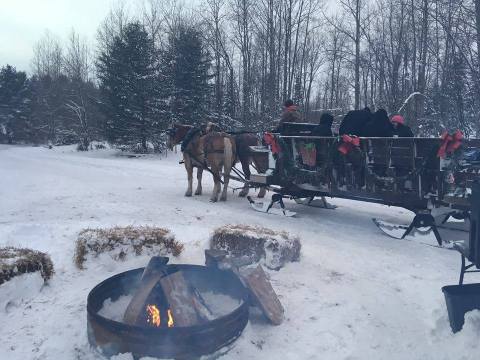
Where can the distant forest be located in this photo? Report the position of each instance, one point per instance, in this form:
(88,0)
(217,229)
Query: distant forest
(235,62)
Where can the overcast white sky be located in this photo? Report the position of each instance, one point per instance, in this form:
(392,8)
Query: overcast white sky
(23,22)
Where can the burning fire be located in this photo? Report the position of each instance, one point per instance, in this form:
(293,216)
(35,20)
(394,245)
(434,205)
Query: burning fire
(170,318)
(153,316)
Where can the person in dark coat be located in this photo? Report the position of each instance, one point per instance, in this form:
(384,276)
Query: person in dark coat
(399,127)
(290,113)
(355,121)
(379,126)
(324,128)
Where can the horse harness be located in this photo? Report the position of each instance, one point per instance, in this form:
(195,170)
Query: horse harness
(184,148)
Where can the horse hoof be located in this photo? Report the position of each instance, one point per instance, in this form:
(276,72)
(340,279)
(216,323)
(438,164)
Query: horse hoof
(188,194)
(223,198)
(213,200)
(243,193)
(198,192)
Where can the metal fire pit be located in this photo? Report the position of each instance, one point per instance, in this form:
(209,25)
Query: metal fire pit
(113,337)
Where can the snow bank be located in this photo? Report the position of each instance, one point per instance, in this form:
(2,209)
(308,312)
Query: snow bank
(249,245)
(448,342)
(20,289)
(120,242)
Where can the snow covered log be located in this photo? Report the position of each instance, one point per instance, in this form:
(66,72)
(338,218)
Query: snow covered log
(248,245)
(120,242)
(14,262)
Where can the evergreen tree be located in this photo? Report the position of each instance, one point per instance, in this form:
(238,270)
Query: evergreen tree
(128,73)
(47,123)
(14,104)
(185,66)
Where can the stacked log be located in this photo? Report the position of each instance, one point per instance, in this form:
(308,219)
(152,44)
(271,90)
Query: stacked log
(171,294)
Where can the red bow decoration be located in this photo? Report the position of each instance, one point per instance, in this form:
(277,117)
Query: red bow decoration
(450,143)
(348,144)
(270,139)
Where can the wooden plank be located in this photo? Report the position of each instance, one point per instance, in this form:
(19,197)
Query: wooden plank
(137,305)
(264,295)
(154,271)
(187,305)
(155,266)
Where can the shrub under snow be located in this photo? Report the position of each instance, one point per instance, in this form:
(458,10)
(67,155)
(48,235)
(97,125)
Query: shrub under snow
(119,242)
(248,245)
(14,262)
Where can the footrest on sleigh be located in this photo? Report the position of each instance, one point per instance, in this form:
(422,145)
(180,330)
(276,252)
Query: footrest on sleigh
(267,207)
(321,203)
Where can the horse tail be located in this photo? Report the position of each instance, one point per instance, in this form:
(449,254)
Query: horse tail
(229,153)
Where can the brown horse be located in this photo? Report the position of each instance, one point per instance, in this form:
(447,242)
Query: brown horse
(212,150)
(243,142)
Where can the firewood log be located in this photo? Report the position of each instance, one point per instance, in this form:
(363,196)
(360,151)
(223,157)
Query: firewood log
(186,303)
(154,271)
(263,294)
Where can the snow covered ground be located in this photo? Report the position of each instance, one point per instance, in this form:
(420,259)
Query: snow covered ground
(355,294)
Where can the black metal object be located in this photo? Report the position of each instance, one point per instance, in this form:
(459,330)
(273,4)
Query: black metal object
(113,337)
(276,198)
(471,251)
(460,299)
(424,220)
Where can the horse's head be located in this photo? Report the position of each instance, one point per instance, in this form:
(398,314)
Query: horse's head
(176,134)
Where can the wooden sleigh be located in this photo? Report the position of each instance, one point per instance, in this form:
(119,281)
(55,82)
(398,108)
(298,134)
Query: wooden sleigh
(432,177)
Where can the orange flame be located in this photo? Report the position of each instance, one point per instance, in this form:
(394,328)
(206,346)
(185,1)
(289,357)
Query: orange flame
(153,315)
(170,318)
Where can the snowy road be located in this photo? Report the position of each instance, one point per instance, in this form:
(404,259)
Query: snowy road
(355,294)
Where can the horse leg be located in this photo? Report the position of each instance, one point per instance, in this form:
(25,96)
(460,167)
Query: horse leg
(226,179)
(246,171)
(262,192)
(199,181)
(216,180)
(189,168)
(228,162)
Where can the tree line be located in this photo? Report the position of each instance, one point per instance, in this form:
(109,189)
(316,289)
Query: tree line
(236,61)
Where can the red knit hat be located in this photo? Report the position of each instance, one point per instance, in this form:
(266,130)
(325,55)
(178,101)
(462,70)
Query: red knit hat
(398,119)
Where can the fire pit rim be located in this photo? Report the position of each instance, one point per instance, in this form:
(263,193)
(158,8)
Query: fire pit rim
(121,326)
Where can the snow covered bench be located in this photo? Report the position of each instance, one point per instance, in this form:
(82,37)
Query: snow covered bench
(120,242)
(22,274)
(248,245)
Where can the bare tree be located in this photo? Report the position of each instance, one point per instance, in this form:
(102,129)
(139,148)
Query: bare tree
(48,56)
(77,61)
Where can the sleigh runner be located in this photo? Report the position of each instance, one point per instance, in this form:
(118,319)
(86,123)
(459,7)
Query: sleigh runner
(432,177)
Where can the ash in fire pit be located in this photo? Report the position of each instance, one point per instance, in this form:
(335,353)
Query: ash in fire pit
(167,311)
